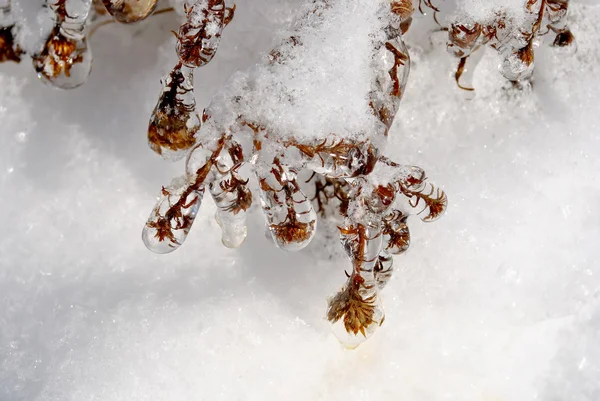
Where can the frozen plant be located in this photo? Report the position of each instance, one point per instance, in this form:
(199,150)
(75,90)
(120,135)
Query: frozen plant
(9,49)
(512,29)
(64,59)
(323,100)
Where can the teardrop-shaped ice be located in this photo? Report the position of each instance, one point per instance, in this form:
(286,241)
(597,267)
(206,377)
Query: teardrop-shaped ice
(199,37)
(232,196)
(129,11)
(172,217)
(289,213)
(355,315)
(174,121)
(65,61)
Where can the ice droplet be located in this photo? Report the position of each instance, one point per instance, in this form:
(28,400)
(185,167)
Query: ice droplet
(172,217)
(129,11)
(65,61)
(174,121)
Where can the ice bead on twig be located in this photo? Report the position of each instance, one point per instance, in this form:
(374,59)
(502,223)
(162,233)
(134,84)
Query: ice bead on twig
(199,36)
(9,49)
(174,121)
(129,11)
(231,195)
(555,20)
(172,217)
(290,215)
(355,311)
(65,61)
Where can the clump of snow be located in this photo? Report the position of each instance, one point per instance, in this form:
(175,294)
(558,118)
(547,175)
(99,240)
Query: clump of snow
(485,11)
(317,80)
(496,301)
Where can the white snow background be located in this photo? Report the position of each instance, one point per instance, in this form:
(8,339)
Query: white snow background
(497,301)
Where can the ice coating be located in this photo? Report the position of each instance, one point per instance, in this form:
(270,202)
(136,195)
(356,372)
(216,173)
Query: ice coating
(129,11)
(175,121)
(65,61)
(199,36)
(512,29)
(172,217)
(291,218)
(322,101)
(232,196)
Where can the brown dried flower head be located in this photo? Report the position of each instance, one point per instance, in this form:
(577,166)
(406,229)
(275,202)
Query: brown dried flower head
(358,314)
(59,56)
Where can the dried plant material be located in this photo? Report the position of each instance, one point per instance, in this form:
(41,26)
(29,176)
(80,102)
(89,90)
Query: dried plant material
(65,60)
(232,196)
(9,50)
(252,121)
(511,31)
(174,121)
(199,37)
(129,11)
(357,313)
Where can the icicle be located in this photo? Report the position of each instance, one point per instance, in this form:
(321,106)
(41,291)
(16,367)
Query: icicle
(172,217)
(355,311)
(65,60)
(199,37)
(9,50)
(129,11)
(290,215)
(174,121)
(232,196)
(396,239)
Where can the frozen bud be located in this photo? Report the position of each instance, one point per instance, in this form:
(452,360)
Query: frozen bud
(9,50)
(232,196)
(172,217)
(65,61)
(355,314)
(396,236)
(199,37)
(128,11)
(518,65)
(290,215)
(565,43)
(174,121)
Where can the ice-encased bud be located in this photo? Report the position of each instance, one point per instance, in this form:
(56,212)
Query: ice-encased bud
(128,11)
(199,37)
(172,217)
(9,50)
(518,65)
(65,61)
(565,43)
(174,122)
(232,196)
(354,315)
(290,215)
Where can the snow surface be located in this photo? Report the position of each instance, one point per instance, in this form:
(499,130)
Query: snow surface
(498,300)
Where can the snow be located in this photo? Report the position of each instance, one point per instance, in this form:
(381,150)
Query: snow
(497,300)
